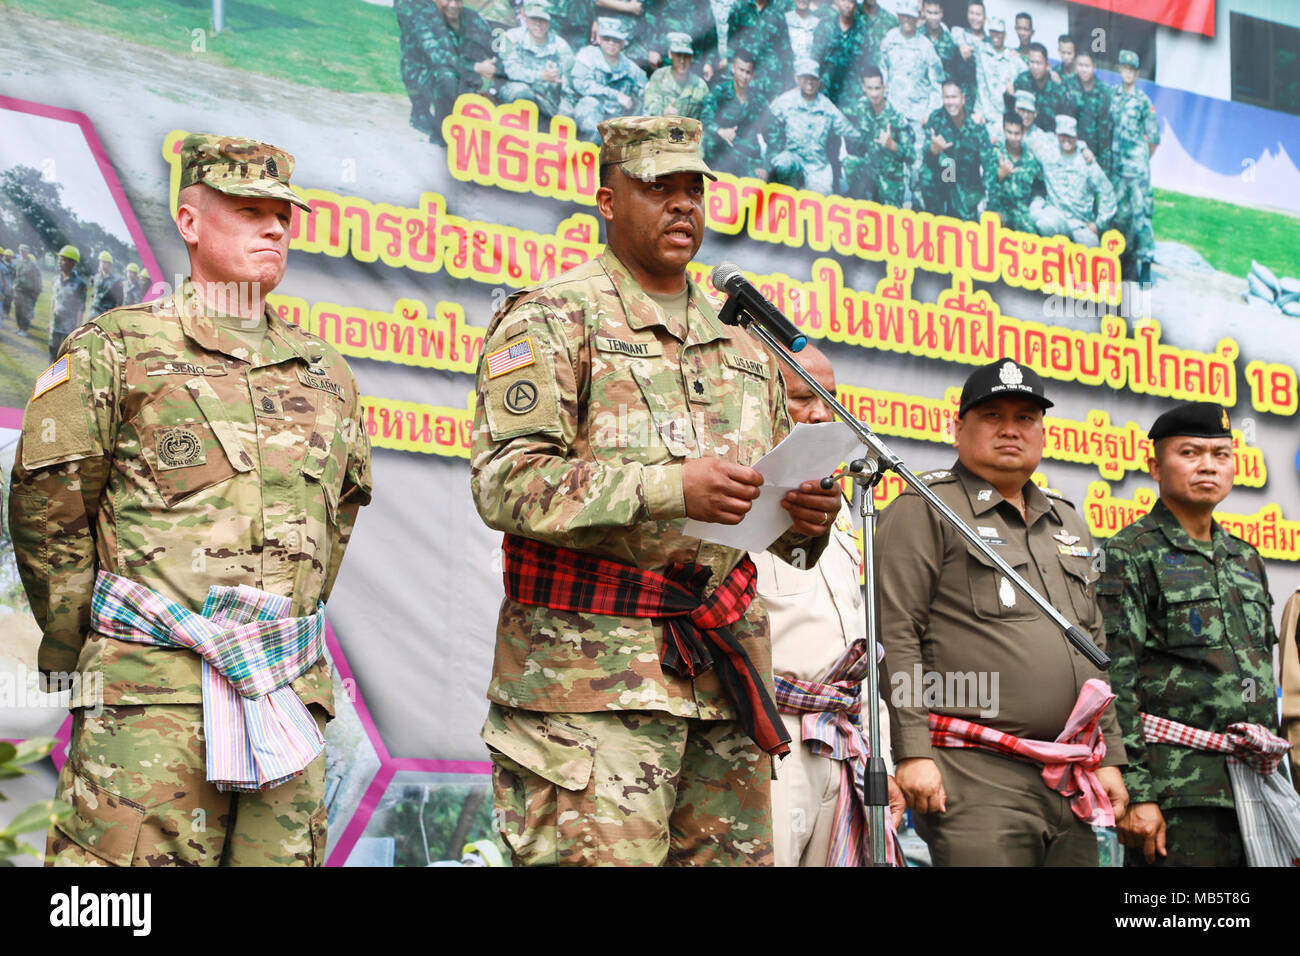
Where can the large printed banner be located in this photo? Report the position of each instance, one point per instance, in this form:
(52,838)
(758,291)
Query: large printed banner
(429,208)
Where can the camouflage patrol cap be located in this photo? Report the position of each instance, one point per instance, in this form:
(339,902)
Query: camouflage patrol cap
(680,43)
(807,66)
(1129,58)
(1193,419)
(1004,378)
(1067,125)
(648,147)
(1025,100)
(908,8)
(611,28)
(997,25)
(537,10)
(238,167)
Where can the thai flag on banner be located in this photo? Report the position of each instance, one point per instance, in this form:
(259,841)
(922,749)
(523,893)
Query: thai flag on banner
(56,374)
(1193,16)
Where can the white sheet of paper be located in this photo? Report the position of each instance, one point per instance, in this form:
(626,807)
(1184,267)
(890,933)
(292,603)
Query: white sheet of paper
(809,452)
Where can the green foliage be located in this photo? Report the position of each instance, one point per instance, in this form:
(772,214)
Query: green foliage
(39,816)
(442,817)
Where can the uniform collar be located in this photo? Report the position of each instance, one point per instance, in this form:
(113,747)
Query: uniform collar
(644,312)
(280,345)
(1177,536)
(1036,503)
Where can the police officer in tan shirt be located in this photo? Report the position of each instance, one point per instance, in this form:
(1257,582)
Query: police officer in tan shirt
(961,640)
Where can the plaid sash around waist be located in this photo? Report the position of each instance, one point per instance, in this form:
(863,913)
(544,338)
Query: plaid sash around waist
(1069,762)
(257,732)
(697,632)
(830,727)
(1268,808)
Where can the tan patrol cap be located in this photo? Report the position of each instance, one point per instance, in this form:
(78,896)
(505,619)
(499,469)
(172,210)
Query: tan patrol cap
(238,167)
(648,147)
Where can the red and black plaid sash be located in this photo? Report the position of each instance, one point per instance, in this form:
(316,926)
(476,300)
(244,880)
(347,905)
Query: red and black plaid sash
(697,632)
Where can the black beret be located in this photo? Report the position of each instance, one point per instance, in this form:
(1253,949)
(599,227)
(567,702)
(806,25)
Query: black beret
(1193,419)
(1002,379)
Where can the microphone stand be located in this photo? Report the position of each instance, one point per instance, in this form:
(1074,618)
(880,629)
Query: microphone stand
(876,785)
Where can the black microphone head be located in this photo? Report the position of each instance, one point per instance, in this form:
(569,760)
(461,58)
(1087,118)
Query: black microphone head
(724,273)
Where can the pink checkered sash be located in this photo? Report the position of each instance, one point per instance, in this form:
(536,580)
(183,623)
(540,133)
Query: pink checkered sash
(1069,762)
(831,727)
(1268,809)
(257,732)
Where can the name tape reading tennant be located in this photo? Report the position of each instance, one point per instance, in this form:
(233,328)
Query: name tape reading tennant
(77,909)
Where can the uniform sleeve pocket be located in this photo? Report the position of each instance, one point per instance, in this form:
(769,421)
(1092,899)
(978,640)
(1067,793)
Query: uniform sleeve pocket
(103,824)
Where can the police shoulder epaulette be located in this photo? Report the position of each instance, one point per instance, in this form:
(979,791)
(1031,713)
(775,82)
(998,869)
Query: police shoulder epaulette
(935,477)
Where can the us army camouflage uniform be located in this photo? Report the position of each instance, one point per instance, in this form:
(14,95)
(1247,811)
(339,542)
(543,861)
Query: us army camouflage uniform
(594,86)
(1191,639)
(843,55)
(799,132)
(1078,193)
(880,174)
(913,74)
(723,110)
(802,29)
(1010,197)
(1135,126)
(995,72)
(952,183)
(1052,99)
(1092,108)
(67,308)
(763,33)
(524,62)
(664,96)
(272,468)
(622,393)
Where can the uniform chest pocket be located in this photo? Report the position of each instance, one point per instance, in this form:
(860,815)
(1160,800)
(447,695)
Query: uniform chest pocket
(1080,581)
(993,596)
(189,441)
(665,401)
(1193,615)
(1257,610)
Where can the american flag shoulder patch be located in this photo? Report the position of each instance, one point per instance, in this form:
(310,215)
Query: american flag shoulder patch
(509,358)
(56,374)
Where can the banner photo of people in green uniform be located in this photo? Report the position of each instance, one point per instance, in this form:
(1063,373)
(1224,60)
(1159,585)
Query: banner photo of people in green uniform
(1105,192)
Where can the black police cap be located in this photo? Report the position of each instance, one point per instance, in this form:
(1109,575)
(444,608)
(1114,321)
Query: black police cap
(1004,378)
(1193,419)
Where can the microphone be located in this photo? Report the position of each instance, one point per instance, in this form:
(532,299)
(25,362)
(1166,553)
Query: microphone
(727,276)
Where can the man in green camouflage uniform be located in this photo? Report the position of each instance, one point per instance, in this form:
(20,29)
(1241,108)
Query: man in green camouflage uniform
(801,125)
(881,174)
(760,29)
(956,154)
(68,299)
(536,61)
(1052,97)
(609,400)
(193,442)
(733,117)
(841,46)
(1189,624)
(27,288)
(1134,141)
(105,286)
(603,81)
(879,22)
(675,90)
(1092,99)
(958,59)
(450,54)
(1014,177)
(1079,201)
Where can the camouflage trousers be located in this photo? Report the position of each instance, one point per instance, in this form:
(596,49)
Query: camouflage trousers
(547,96)
(864,181)
(798,172)
(24,311)
(1196,836)
(1052,221)
(628,788)
(136,778)
(1135,206)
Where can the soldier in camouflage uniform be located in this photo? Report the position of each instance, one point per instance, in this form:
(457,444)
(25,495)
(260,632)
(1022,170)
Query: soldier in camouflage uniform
(1189,623)
(1134,141)
(733,117)
(1052,97)
(193,442)
(761,29)
(881,174)
(841,45)
(956,155)
(6,282)
(609,399)
(958,59)
(603,81)
(879,22)
(536,61)
(913,73)
(801,123)
(27,288)
(1079,202)
(695,19)
(996,69)
(1092,99)
(456,46)
(1038,141)
(1014,178)
(675,90)
(801,23)
(131,285)
(105,286)
(68,300)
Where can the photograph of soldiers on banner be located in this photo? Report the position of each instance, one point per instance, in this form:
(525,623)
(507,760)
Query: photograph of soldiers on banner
(909,110)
